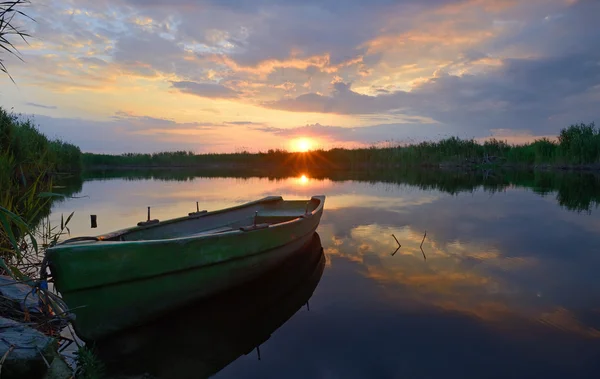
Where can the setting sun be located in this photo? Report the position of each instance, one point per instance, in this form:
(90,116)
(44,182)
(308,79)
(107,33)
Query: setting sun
(302,144)
(302,180)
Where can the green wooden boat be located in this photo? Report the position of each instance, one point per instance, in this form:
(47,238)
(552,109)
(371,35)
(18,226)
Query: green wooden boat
(128,277)
(199,340)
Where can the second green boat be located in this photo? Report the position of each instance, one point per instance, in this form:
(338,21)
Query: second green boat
(128,277)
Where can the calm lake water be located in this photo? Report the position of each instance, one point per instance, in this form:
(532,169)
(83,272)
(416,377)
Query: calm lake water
(510,286)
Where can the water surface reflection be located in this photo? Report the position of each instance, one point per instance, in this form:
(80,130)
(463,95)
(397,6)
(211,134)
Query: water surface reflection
(199,340)
(509,287)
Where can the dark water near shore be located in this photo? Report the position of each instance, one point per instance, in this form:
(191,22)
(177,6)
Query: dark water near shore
(510,286)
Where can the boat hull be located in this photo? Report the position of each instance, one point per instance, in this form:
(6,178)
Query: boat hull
(126,284)
(218,331)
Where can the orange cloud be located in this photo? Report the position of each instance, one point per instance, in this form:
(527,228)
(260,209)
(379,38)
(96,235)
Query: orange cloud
(443,34)
(564,319)
(265,67)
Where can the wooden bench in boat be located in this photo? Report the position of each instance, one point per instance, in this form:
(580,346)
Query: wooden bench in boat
(263,220)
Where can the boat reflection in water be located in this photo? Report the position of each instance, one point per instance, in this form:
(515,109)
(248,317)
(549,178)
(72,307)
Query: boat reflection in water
(200,340)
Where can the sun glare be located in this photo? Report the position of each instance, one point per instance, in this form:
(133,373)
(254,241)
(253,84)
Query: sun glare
(302,144)
(302,180)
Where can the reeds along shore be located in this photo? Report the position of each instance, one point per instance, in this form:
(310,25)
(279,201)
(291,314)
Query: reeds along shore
(28,160)
(577,145)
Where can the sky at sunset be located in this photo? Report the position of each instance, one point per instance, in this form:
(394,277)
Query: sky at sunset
(117,76)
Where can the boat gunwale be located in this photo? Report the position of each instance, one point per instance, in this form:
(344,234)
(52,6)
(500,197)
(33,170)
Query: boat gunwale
(103,239)
(187,269)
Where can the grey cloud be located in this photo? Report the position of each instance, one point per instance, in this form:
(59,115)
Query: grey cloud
(103,137)
(522,94)
(210,90)
(242,123)
(146,52)
(93,61)
(329,5)
(122,115)
(342,101)
(572,31)
(41,105)
(121,134)
(146,122)
(399,133)
(318,79)
(270,29)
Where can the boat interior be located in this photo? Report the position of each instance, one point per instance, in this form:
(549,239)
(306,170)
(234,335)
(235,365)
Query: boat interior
(256,215)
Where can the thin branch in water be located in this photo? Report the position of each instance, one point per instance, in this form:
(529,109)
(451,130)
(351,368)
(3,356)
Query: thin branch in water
(421,246)
(399,245)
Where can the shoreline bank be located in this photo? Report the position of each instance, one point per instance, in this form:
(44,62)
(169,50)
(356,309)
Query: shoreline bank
(357,167)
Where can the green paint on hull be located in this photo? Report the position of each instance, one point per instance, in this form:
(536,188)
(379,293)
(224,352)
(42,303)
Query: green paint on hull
(127,279)
(203,338)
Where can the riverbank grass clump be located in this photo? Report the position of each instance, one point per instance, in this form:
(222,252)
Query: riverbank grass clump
(29,162)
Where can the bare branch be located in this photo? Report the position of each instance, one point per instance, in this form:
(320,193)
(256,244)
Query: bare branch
(421,246)
(399,246)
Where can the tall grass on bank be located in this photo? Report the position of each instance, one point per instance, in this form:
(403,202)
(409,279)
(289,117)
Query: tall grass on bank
(24,150)
(28,159)
(578,144)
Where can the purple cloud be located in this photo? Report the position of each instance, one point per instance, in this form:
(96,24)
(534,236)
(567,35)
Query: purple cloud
(41,105)
(209,90)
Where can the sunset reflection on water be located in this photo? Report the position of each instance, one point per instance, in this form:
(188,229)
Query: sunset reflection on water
(504,271)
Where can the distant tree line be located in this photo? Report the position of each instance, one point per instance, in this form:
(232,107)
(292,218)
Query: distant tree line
(578,144)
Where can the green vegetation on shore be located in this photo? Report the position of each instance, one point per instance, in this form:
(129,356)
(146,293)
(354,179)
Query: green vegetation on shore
(25,151)
(28,162)
(577,145)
